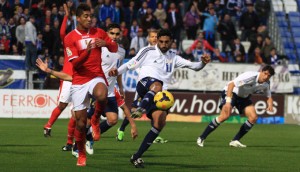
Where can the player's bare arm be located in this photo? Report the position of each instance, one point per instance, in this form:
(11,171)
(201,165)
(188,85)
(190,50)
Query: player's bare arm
(44,67)
(270,104)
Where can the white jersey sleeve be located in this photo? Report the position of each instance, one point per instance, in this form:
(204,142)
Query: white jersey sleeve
(183,63)
(136,61)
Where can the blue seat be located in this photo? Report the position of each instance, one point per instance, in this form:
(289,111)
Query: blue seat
(294,19)
(295,24)
(283,24)
(294,14)
(288,51)
(280,13)
(296,34)
(288,45)
(292,56)
(295,29)
(284,33)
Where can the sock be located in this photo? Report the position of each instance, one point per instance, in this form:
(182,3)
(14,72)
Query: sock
(71,128)
(104,126)
(80,141)
(243,130)
(88,132)
(210,128)
(148,140)
(147,99)
(124,124)
(54,115)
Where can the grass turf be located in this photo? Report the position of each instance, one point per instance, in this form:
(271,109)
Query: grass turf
(270,148)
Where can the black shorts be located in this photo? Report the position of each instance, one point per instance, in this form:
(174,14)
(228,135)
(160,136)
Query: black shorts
(142,88)
(111,106)
(237,102)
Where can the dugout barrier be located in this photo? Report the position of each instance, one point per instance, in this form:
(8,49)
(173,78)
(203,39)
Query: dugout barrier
(189,106)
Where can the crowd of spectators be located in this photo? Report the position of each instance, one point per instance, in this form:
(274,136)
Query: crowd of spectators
(31,28)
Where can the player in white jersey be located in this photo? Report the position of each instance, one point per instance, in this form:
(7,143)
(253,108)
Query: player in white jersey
(152,40)
(237,94)
(156,65)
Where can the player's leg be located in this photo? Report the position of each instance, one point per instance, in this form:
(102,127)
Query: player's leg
(121,130)
(224,115)
(158,123)
(54,115)
(111,112)
(81,118)
(99,91)
(252,117)
(70,136)
(150,87)
(64,99)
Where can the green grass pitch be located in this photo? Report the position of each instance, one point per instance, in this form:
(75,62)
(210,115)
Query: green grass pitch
(270,148)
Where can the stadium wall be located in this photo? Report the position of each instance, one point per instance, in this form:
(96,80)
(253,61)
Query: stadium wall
(189,106)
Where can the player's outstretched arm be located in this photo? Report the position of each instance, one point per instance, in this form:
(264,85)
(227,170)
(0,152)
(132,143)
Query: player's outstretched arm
(134,131)
(44,67)
(270,104)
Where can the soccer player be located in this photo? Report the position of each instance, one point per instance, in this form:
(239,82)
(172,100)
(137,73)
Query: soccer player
(83,48)
(64,94)
(152,39)
(156,65)
(113,60)
(237,93)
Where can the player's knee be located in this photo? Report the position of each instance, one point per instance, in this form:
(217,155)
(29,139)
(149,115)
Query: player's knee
(252,119)
(80,125)
(62,106)
(156,87)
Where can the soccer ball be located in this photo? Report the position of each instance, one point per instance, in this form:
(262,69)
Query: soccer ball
(164,100)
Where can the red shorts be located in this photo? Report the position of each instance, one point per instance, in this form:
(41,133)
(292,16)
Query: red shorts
(120,100)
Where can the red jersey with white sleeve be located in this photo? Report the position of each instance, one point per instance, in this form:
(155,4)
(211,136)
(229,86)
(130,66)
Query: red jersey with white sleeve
(68,68)
(75,45)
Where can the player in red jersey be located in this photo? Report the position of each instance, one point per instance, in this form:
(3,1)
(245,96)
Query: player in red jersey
(64,94)
(83,48)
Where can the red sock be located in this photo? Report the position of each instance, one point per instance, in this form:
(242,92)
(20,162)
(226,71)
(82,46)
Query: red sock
(99,107)
(80,141)
(55,114)
(71,128)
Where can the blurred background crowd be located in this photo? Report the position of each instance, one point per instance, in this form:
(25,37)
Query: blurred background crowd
(232,31)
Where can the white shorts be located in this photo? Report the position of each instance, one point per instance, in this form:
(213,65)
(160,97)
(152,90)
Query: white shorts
(65,92)
(81,93)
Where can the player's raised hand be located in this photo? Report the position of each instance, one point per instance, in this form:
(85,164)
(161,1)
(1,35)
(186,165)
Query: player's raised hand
(100,42)
(205,58)
(66,9)
(113,72)
(42,65)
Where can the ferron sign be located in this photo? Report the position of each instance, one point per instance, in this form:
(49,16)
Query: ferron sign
(29,103)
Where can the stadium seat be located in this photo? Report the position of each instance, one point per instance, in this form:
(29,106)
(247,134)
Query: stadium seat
(296,34)
(282,24)
(297,45)
(288,45)
(295,24)
(293,19)
(294,14)
(186,44)
(286,34)
(288,51)
(280,14)
(292,56)
(295,29)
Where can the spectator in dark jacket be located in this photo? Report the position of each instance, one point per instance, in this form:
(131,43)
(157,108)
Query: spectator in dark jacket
(174,20)
(262,8)
(248,23)
(228,33)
